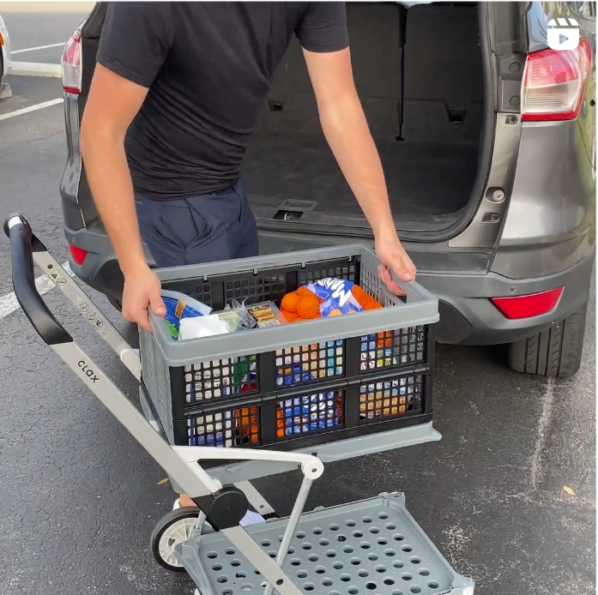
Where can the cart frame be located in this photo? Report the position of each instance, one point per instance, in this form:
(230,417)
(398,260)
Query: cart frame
(223,506)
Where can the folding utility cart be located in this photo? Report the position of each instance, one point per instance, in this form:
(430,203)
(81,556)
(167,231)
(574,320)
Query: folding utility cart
(222,411)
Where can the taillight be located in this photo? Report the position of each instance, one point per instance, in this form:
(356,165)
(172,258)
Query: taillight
(528,306)
(554,83)
(70,64)
(77,254)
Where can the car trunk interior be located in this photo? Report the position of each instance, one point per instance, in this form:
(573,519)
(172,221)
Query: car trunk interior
(419,75)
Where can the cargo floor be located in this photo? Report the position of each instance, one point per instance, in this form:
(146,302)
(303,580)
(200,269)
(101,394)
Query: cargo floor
(422,178)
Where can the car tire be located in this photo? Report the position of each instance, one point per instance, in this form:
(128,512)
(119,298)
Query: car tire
(553,353)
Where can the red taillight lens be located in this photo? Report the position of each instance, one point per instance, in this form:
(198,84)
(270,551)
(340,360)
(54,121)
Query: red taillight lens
(70,64)
(77,254)
(527,306)
(554,82)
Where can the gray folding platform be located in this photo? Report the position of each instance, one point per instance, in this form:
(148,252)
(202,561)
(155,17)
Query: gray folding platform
(369,547)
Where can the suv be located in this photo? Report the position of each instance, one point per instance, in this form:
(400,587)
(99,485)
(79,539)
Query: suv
(487,137)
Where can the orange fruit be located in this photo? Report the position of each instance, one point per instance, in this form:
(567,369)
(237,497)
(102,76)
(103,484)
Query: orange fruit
(308,307)
(372,305)
(303,291)
(289,302)
(289,316)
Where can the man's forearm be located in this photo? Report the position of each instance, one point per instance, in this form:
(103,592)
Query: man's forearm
(348,135)
(110,182)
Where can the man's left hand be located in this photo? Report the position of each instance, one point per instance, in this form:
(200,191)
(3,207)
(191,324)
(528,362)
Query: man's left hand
(393,257)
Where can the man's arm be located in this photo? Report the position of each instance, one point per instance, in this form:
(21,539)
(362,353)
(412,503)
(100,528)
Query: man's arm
(346,130)
(134,45)
(112,104)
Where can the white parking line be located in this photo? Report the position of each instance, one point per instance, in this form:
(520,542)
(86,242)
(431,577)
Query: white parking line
(31,108)
(39,47)
(9,303)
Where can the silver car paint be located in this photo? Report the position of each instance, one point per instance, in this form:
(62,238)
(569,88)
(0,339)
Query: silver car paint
(505,255)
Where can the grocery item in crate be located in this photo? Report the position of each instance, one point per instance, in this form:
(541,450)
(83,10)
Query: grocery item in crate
(325,298)
(337,297)
(234,428)
(302,304)
(266,314)
(377,351)
(178,307)
(235,317)
(307,414)
(204,326)
(366,301)
(237,313)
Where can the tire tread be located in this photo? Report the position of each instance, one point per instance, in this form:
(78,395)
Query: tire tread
(553,353)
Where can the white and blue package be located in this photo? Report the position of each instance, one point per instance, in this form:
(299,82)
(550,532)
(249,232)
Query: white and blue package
(179,306)
(337,296)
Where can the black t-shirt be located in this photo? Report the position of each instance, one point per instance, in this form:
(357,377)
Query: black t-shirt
(208,67)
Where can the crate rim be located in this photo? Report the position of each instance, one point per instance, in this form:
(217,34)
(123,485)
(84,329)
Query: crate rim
(254,342)
(423,311)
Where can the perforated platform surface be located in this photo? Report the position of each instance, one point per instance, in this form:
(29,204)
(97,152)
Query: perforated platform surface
(369,547)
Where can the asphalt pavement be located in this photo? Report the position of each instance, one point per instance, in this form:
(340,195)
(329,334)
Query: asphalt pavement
(508,494)
(28,32)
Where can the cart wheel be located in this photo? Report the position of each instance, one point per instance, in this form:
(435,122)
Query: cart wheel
(173,528)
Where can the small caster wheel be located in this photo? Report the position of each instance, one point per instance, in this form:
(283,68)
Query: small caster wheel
(173,528)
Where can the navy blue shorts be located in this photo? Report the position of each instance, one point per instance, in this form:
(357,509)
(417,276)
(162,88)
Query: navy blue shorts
(206,228)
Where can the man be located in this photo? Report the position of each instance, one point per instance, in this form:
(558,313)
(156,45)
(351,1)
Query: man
(175,94)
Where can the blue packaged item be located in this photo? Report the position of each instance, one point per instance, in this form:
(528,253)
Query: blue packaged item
(337,296)
(179,306)
(309,413)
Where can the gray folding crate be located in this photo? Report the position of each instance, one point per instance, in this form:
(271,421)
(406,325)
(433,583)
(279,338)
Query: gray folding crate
(369,546)
(366,373)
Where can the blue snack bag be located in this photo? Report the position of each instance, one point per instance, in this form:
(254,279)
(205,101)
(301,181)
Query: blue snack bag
(337,296)
(179,306)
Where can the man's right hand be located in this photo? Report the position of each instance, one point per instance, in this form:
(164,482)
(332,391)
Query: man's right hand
(142,291)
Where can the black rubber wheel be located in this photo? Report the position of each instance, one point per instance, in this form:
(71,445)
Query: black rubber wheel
(117,304)
(172,529)
(555,352)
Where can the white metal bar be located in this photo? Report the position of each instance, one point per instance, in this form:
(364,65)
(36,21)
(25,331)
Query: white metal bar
(255,498)
(94,316)
(261,561)
(192,479)
(311,466)
(291,526)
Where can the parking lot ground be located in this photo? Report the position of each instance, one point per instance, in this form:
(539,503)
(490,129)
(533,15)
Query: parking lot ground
(79,498)
(28,91)
(28,31)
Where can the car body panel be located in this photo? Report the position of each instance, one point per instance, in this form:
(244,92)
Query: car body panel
(5,48)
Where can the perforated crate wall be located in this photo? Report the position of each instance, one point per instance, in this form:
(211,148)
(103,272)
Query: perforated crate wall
(293,396)
(302,415)
(156,377)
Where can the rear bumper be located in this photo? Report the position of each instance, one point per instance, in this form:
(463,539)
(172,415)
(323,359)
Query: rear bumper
(467,315)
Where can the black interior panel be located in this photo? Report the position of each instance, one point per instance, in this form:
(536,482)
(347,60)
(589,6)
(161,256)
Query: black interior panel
(376,33)
(422,178)
(423,63)
(443,75)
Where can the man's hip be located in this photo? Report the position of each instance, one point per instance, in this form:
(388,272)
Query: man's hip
(205,228)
